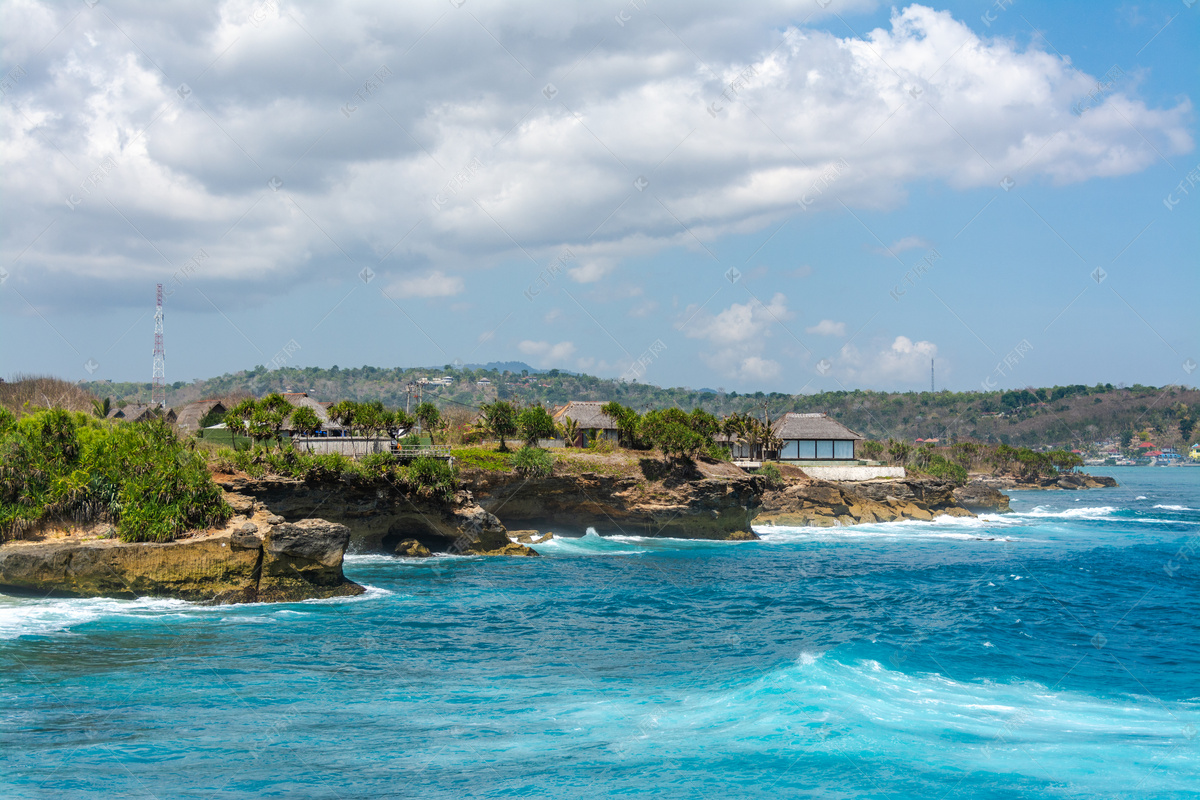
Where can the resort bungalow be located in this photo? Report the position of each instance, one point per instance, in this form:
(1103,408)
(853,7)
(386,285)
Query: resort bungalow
(814,437)
(193,415)
(142,412)
(302,400)
(592,422)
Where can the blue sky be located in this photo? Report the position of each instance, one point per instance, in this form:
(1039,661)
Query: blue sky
(792,197)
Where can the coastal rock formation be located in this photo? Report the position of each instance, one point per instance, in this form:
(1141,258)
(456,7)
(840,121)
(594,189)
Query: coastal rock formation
(670,506)
(411,548)
(378,515)
(804,502)
(1072,481)
(980,498)
(235,565)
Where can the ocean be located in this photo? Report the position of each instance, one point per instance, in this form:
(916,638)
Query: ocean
(1052,652)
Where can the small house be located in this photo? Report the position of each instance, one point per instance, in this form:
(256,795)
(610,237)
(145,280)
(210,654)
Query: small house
(302,400)
(591,421)
(193,415)
(142,412)
(814,437)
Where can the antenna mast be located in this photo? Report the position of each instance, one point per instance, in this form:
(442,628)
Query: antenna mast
(158,388)
(931,389)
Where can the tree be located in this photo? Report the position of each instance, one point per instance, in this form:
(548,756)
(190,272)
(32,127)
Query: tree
(569,430)
(669,431)
(238,419)
(534,424)
(626,420)
(429,417)
(499,419)
(270,415)
(101,408)
(1186,425)
(898,452)
(305,421)
(343,413)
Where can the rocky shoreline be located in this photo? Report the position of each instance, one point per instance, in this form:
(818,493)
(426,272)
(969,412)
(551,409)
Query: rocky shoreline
(287,539)
(264,559)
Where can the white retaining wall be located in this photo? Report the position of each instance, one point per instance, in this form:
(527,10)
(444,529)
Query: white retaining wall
(852,472)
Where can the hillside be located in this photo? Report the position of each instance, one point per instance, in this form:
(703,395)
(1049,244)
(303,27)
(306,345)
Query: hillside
(1059,415)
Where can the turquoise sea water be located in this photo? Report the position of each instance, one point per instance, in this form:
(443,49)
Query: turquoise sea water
(1053,652)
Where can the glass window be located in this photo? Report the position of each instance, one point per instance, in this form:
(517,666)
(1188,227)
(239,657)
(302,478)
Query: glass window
(824,448)
(807,449)
(790,450)
(843,448)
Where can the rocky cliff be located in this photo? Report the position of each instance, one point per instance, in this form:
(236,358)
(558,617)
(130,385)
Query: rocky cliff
(1071,481)
(379,516)
(683,506)
(805,502)
(265,560)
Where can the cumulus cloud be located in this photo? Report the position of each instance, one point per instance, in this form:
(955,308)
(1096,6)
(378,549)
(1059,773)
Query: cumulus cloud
(433,284)
(546,354)
(738,336)
(406,137)
(827,327)
(903,362)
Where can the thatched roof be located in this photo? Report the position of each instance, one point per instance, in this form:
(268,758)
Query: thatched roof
(299,399)
(811,426)
(587,415)
(140,412)
(191,415)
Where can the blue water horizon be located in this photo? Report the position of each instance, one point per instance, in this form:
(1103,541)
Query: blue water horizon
(1052,652)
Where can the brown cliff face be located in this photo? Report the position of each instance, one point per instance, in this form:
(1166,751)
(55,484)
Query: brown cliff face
(379,516)
(804,502)
(245,563)
(682,507)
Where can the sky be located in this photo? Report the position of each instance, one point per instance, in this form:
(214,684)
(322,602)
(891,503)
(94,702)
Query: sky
(780,196)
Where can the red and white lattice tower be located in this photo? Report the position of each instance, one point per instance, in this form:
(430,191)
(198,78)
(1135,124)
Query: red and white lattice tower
(158,388)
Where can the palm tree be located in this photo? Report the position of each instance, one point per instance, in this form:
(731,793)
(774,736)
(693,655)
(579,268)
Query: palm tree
(500,420)
(101,408)
(305,422)
(238,418)
(569,430)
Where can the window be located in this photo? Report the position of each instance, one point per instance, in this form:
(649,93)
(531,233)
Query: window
(807,449)
(843,448)
(790,450)
(824,448)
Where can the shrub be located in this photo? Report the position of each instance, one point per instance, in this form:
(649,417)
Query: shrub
(533,462)
(771,474)
(431,477)
(57,466)
(601,446)
(940,467)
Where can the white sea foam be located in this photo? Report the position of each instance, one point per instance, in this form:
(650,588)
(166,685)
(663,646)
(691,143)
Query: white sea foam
(21,616)
(1088,512)
(1140,497)
(1174,508)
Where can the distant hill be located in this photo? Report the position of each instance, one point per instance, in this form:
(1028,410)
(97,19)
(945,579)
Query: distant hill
(1060,415)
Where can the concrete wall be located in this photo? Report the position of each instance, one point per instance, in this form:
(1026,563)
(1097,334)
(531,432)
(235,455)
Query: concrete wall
(852,472)
(346,445)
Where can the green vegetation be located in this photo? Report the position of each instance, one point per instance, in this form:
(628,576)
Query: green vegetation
(533,462)
(1031,417)
(535,423)
(771,474)
(482,458)
(499,419)
(58,467)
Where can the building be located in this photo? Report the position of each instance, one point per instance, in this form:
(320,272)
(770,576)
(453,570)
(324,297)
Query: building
(591,421)
(142,412)
(814,437)
(328,426)
(192,416)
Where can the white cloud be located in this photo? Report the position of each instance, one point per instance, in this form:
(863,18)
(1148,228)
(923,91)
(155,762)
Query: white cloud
(738,336)
(433,284)
(932,100)
(827,327)
(903,362)
(900,245)
(546,354)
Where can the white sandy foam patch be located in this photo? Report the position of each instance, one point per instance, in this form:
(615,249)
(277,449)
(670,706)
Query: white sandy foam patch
(1174,508)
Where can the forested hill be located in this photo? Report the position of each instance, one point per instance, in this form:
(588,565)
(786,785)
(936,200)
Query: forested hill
(1061,415)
